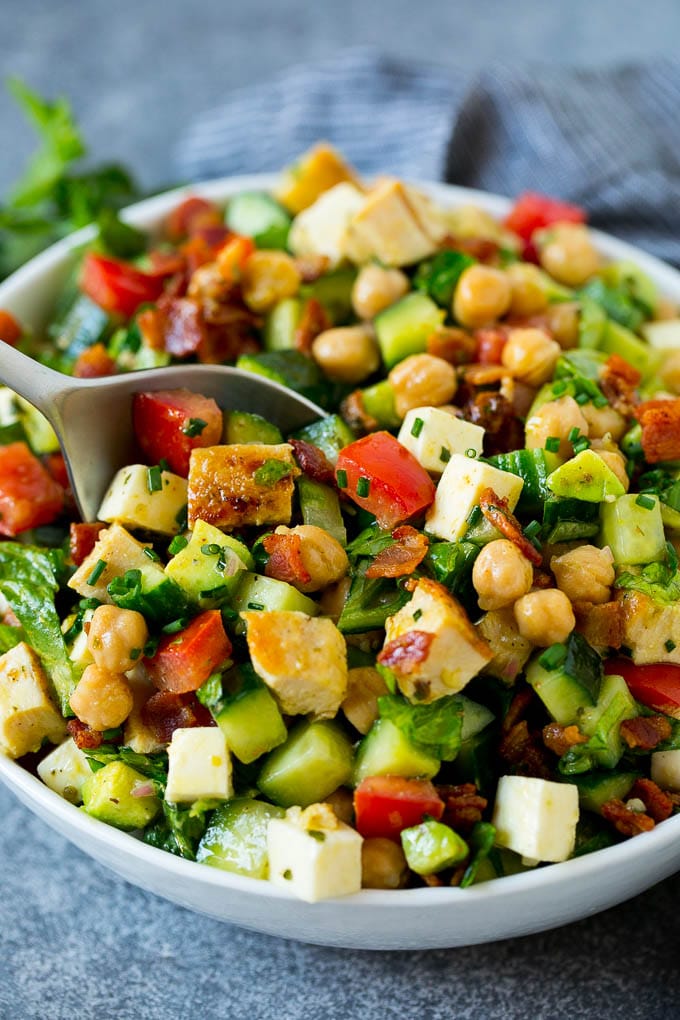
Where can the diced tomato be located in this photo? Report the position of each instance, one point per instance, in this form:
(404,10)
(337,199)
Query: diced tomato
(384,805)
(56,465)
(82,539)
(185,660)
(383,477)
(657,685)
(28,495)
(169,424)
(490,343)
(192,214)
(94,363)
(533,211)
(117,287)
(10,329)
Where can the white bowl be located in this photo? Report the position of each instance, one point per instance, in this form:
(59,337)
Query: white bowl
(408,919)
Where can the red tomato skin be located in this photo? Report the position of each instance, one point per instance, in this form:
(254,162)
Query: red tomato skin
(117,287)
(533,211)
(656,685)
(158,420)
(385,805)
(185,660)
(10,328)
(29,496)
(399,488)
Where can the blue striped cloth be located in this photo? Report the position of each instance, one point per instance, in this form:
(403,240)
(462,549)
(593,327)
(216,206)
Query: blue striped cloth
(606,139)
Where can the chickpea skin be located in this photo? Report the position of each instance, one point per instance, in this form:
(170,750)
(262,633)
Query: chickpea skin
(585,574)
(322,556)
(544,617)
(116,638)
(568,254)
(422,380)
(603,421)
(376,288)
(563,319)
(527,285)
(501,574)
(615,460)
(102,699)
(530,355)
(482,296)
(383,864)
(348,354)
(555,419)
(269,277)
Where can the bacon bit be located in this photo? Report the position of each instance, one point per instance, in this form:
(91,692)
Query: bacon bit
(216,236)
(285,559)
(10,328)
(660,420)
(658,803)
(404,653)
(197,252)
(478,374)
(464,806)
(542,579)
(151,324)
(166,712)
(496,511)
(645,731)
(84,737)
(481,248)
(517,708)
(230,338)
(313,462)
(524,752)
(433,881)
(82,539)
(490,343)
(409,549)
(559,739)
(314,320)
(353,411)
(190,215)
(166,263)
(457,875)
(503,430)
(232,257)
(619,366)
(184,328)
(618,380)
(627,822)
(311,267)
(452,344)
(601,625)
(94,363)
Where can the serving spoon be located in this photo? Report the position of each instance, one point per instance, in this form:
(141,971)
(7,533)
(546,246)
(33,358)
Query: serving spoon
(92,418)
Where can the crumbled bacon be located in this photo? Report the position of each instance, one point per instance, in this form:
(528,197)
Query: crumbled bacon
(353,411)
(496,511)
(452,344)
(285,561)
(517,708)
(82,538)
(94,362)
(495,414)
(406,652)
(311,267)
(314,320)
(481,248)
(409,549)
(618,380)
(84,737)
(166,712)
(645,731)
(313,461)
(464,806)
(478,374)
(601,625)
(183,328)
(660,421)
(191,215)
(524,752)
(559,739)
(657,802)
(490,343)
(625,821)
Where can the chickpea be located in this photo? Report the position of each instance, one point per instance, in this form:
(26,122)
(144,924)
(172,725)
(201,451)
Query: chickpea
(383,864)
(348,354)
(567,253)
(322,556)
(530,355)
(556,418)
(482,296)
(615,460)
(527,289)
(422,381)
(102,699)
(544,617)
(585,574)
(116,638)
(364,686)
(376,288)
(670,372)
(342,804)
(269,277)
(501,574)
(603,421)
(563,318)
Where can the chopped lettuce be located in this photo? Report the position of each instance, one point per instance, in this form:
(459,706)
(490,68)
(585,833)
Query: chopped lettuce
(481,841)
(435,728)
(660,581)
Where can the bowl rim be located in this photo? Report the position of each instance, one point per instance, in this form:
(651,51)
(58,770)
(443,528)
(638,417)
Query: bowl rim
(69,818)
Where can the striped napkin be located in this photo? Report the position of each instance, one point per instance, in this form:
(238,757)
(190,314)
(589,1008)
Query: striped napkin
(606,139)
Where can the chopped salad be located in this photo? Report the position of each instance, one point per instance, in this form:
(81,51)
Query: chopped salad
(432,637)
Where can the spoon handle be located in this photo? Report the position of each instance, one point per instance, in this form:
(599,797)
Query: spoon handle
(35,382)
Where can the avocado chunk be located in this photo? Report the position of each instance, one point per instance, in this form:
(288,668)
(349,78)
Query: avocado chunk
(586,477)
(109,796)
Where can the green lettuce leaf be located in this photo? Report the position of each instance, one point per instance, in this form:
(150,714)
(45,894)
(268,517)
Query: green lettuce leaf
(659,581)
(435,728)
(481,841)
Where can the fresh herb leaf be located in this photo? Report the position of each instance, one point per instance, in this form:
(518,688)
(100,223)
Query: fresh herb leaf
(481,841)
(658,580)
(271,472)
(370,602)
(438,276)
(436,727)
(210,693)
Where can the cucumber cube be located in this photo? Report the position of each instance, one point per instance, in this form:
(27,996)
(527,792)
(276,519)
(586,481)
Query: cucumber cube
(251,722)
(315,760)
(108,796)
(236,839)
(386,751)
(257,592)
(256,214)
(634,532)
(280,325)
(403,328)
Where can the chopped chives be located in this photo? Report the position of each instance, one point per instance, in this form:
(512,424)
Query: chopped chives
(175,625)
(581,444)
(574,433)
(341,478)
(152,554)
(181,517)
(194,427)
(553,657)
(581,398)
(418,613)
(552,444)
(532,529)
(471,452)
(150,647)
(163,465)
(288,874)
(89,603)
(317,835)
(215,593)
(97,571)
(363,487)
(255,605)
(210,549)
(445,455)
(135,653)
(154,480)
(559,387)
(178,543)
(670,645)
(600,400)
(417,427)
(647,502)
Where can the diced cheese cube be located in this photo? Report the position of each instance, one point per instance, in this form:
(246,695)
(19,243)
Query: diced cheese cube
(432,667)
(130,500)
(392,225)
(665,769)
(314,173)
(536,817)
(232,486)
(459,491)
(137,735)
(315,863)
(322,228)
(119,551)
(65,770)
(27,713)
(433,436)
(198,765)
(302,659)
(664,334)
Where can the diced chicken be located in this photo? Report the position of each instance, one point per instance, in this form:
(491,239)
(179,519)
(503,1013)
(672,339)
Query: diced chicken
(118,551)
(650,629)
(242,483)
(313,854)
(510,650)
(322,228)
(431,646)
(302,659)
(133,500)
(28,716)
(314,173)
(396,225)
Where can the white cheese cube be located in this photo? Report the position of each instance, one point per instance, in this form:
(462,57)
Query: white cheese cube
(664,334)
(433,436)
(665,769)
(119,551)
(198,765)
(315,864)
(130,501)
(458,493)
(321,229)
(27,713)
(65,770)
(536,818)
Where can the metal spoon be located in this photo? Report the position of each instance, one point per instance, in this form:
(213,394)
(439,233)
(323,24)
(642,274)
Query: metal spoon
(93,417)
